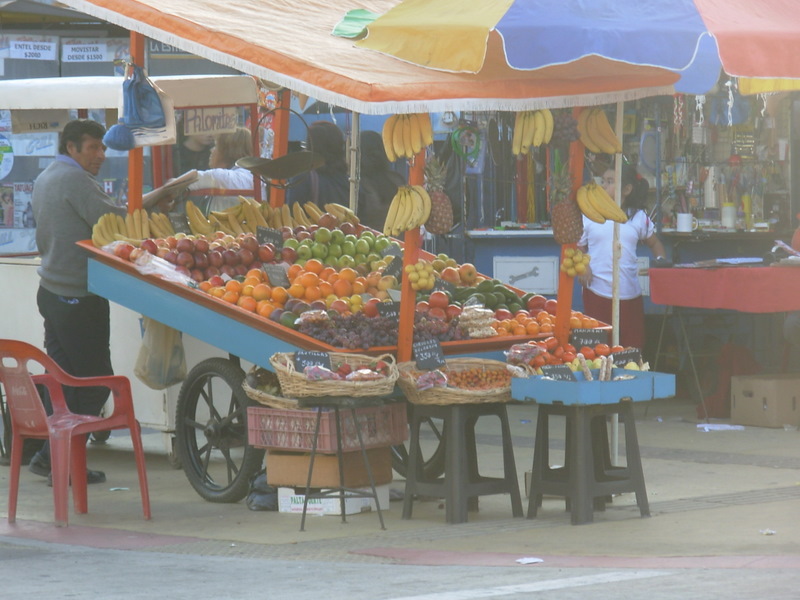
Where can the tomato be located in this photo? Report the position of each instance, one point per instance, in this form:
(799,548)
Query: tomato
(536,302)
(588,353)
(438,299)
(551,306)
(551,343)
(559,351)
(568,357)
(570,348)
(602,349)
(615,349)
(538,360)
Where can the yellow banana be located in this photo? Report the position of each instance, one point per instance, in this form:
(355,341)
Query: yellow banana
(594,129)
(337,210)
(266,211)
(584,133)
(313,211)
(97,239)
(391,215)
(539,129)
(105,226)
(118,224)
(259,216)
(397,136)
(388,137)
(300,215)
(528,131)
(426,129)
(549,124)
(606,132)
(125,238)
(145,223)
(516,137)
(417,209)
(586,206)
(286,215)
(426,203)
(416,133)
(605,204)
(130,228)
(218,225)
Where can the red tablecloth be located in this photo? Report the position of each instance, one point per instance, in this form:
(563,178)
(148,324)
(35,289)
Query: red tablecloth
(746,289)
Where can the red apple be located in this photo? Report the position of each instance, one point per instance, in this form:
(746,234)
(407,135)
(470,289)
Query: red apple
(303,235)
(150,246)
(183,270)
(288,255)
(200,260)
(185,259)
(348,228)
(216,281)
(551,306)
(163,251)
(135,253)
(228,270)
(241,269)
(468,273)
(123,250)
(172,241)
(171,256)
(198,275)
(452,311)
(536,302)
(215,258)
(185,245)
(246,256)
(231,257)
(266,253)
(211,272)
(286,232)
(370,308)
(250,242)
(201,245)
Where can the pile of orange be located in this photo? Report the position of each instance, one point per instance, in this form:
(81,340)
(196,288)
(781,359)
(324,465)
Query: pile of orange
(543,322)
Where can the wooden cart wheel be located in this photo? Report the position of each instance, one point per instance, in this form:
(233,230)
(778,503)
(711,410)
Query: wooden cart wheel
(211,431)
(433,464)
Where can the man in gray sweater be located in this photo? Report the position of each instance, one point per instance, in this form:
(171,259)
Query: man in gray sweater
(67,201)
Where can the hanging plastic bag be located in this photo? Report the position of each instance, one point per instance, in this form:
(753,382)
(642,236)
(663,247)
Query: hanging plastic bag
(148,116)
(161,361)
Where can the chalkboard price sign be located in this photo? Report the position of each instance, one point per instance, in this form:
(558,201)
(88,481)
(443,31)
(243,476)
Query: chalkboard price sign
(393,250)
(277,274)
(180,224)
(558,372)
(311,358)
(588,337)
(389,309)
(268,235)
(625,356)
(394,268)
(428,354)
(444,285)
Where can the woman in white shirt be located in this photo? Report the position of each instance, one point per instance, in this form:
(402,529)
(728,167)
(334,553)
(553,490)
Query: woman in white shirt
(597,240)
(224,174)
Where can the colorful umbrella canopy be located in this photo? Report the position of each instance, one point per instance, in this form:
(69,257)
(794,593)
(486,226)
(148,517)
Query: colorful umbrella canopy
(695,39)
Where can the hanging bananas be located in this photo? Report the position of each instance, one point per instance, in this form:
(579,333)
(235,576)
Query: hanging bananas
(409,209)
(406,135)
(597,205)
(532,128)
(596,132)
(133,227)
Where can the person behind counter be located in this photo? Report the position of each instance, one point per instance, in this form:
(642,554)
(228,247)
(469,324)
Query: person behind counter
(378,183)
(192,152)
(597,240)
(223,173)
(67,201)
(331,181)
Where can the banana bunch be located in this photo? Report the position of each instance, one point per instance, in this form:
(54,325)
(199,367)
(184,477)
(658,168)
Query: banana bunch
(405,135)
(133,228)
(343,213)
(245,217)
(597,205)
(410,208)
(198,223)
(160,225)
(596,132)
(532,128)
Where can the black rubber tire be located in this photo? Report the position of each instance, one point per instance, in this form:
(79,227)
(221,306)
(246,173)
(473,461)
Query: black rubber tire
(100,437)
(433,465)
(211,432)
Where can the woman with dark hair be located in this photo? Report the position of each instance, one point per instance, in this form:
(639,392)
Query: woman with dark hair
(330,182)
(597,240)
(378,183)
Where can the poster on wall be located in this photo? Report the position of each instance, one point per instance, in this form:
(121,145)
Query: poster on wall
(6,205)
(23,209)
(6,157)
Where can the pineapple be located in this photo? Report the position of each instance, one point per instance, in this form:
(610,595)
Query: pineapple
(441,219)
(565,214)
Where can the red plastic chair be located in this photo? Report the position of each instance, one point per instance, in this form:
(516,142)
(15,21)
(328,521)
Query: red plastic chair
(66,430)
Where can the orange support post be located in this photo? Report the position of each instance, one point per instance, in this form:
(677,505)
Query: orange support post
(405,335)
(136,156)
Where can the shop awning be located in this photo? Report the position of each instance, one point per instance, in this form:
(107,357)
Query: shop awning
(291,44)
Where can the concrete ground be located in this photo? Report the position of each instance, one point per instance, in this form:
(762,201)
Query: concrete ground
(719,499)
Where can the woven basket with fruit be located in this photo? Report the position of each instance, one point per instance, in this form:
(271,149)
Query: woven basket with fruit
(469,381)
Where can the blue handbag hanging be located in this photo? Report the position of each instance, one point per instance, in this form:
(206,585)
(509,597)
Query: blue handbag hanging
(141,110)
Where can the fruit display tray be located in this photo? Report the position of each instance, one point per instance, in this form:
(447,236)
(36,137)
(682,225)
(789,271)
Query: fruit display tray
(645,385)
(224,325)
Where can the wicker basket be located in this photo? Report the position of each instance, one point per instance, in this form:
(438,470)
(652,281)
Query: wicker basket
(451,395)
(296,384)
(268,399)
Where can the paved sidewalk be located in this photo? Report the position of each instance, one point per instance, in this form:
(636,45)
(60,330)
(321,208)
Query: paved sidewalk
(718,499)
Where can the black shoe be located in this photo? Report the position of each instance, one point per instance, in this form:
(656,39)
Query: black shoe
(91,477)
(39,465)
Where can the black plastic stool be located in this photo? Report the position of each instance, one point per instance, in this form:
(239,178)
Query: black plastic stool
(461,484)
(588,479)
(337,403)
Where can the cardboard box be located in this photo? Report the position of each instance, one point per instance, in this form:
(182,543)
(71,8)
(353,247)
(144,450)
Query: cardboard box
(291,468)
(290,500)
(771,400)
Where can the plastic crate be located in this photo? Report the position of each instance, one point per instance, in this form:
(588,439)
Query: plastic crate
(285,429)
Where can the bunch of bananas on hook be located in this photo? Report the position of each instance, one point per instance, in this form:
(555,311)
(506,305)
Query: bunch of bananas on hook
(532,128)
(596,132)
(410,208)
(598,206)
(405,135)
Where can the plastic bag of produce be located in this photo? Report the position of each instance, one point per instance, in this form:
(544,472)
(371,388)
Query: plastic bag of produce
(161,361)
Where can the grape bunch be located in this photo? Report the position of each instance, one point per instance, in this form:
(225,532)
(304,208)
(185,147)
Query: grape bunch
(565,127)
(427,327)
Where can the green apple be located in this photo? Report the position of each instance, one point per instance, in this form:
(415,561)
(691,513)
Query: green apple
(322,235)
(335,250)
(291,243)
(361,259)
(348,249)
(331,261)
(337,236)
(350,238)
(319,250)
(363,246)
(345,260)
(381,243)
(304,252)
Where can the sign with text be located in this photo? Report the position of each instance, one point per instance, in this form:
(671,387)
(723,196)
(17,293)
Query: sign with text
(22,47)
(428,354)
(588,337)
(277,274)
(90,51)
(268,235)
(392,250)
(558,372)
(311,358)
(394,268)
(205,120)
(389,309)
(625,356)
(443,285)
